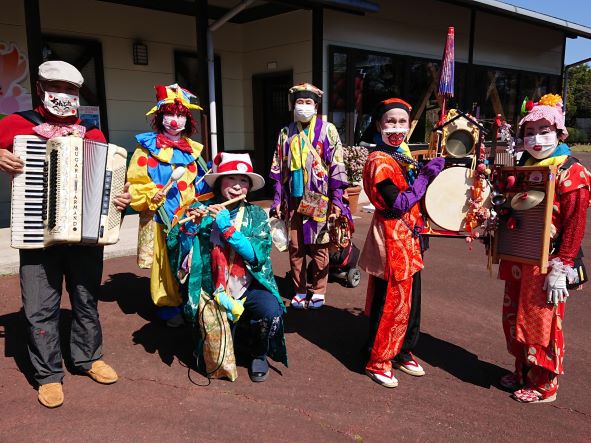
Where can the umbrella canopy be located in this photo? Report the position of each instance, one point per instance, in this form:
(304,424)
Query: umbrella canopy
(446,78)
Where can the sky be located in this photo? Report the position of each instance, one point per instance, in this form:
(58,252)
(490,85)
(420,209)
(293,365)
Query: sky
(576,11)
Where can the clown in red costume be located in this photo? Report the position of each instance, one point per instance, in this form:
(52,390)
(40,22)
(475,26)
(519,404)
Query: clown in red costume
(392,255)
(534,303)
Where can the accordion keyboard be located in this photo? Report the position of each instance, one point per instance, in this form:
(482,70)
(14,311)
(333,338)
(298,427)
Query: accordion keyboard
(28,198)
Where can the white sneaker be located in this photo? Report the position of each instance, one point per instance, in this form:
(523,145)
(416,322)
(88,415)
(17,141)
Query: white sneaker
(411,367)
(386,379)
(316,302)
(298,301)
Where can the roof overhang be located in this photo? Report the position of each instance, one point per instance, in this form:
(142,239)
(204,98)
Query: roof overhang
(258,11)
(569,28)
(359,6)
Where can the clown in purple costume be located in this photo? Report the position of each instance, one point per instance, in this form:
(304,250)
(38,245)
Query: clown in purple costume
(310,177)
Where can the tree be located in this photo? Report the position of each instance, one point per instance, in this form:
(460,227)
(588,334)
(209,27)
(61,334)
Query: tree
(578,101)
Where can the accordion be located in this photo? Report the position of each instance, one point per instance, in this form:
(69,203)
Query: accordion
(64,194)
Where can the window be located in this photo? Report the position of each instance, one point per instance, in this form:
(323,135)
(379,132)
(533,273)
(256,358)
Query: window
(360,79)
(87,57)
(186,74)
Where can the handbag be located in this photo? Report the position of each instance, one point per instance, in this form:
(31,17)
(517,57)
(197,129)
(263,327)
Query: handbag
(217,346)
(314,205)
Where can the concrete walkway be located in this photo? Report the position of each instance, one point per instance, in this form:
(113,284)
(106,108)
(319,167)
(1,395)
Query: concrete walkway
(324,394)
(127,245)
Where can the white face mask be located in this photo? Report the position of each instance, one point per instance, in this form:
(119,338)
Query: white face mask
(174,124)
(61,104)
(303,113)
(541,146)
(394,136)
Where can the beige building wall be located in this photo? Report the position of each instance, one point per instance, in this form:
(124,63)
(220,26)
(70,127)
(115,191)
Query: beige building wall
(416,28)
(419,28)
(509,43)
(128,87)
(284,40)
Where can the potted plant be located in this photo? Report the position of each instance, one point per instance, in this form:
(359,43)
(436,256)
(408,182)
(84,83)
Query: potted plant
(354,158)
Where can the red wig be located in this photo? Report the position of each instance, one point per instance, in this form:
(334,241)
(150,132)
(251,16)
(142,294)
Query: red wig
(176,108)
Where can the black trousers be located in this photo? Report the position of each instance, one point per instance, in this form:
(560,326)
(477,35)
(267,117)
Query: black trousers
(411,337)
(42,272)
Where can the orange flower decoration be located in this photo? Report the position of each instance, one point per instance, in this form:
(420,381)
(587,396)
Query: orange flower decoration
(550,100)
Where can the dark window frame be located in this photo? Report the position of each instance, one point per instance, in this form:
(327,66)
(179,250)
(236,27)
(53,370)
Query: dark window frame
(352,53)
(218,91)
(95,49)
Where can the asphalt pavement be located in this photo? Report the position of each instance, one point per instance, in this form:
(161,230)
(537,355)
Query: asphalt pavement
(323,395)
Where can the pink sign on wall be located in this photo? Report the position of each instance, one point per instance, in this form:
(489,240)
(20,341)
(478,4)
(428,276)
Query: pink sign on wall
(14,69)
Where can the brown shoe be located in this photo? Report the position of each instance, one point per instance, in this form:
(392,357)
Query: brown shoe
(102,373)
(51,395)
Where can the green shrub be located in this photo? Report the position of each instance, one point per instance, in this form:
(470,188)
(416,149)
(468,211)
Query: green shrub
(576,135)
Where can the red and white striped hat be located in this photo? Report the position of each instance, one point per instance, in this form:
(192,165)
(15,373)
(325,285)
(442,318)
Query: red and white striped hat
(227,163)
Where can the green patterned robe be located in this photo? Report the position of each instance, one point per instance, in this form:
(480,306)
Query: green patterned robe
(255,228)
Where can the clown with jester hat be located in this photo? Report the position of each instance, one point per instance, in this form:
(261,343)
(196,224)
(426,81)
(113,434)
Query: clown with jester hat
(158,192)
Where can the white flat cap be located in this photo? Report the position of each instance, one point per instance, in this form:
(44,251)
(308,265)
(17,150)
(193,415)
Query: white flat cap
(56,70)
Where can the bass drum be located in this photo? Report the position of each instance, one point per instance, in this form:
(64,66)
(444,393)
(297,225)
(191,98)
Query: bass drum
(447,199)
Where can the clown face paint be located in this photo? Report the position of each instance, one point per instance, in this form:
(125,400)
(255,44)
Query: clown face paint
(541,146)
(234,185)
(174,124)
(61,104)
(540,138)
(393,126)
(394,136)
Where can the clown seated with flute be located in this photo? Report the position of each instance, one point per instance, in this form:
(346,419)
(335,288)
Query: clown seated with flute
(222,250)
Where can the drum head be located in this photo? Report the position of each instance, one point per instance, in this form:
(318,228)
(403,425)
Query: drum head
(447,199)
(459,143)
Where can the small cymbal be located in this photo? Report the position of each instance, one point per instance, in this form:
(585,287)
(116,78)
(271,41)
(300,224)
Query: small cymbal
(523,201)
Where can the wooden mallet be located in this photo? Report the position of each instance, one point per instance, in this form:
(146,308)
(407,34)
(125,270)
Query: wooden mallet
(176,175)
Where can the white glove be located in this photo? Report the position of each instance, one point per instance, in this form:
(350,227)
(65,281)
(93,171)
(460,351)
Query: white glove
(555,283)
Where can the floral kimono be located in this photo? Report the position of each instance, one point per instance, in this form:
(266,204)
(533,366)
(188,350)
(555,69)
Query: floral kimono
(392,252)
(198,241)
(308,165)
(533,328)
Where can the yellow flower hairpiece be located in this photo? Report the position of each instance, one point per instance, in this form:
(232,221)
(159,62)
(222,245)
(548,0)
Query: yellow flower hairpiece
(550,100)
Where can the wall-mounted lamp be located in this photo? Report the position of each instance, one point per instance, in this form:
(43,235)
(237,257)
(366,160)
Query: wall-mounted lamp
(140,54)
